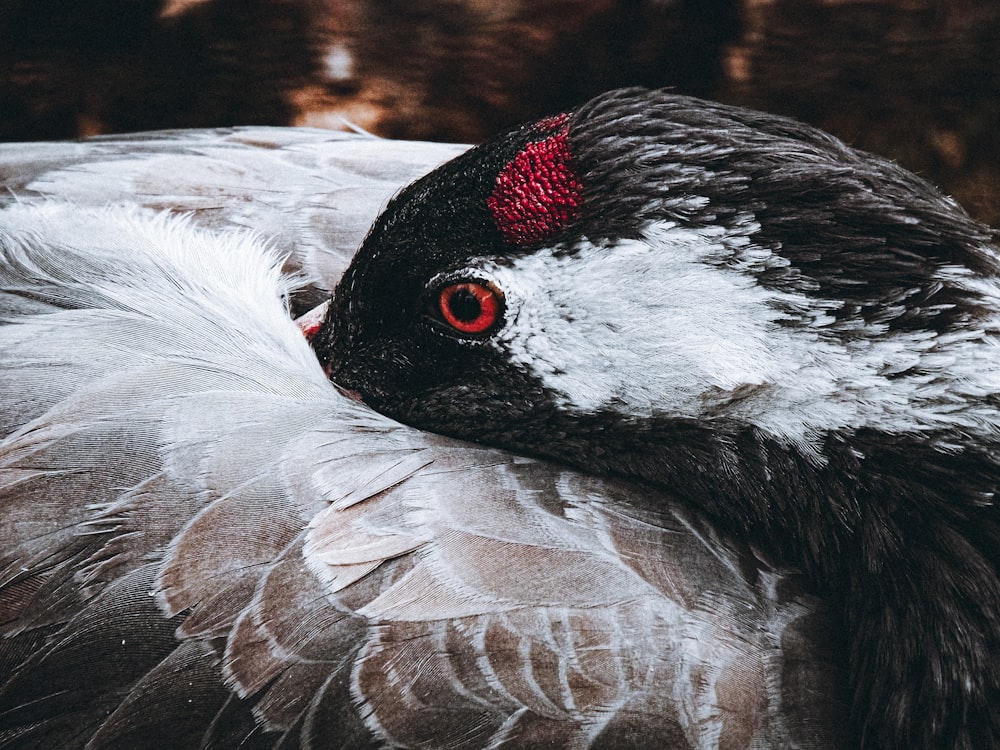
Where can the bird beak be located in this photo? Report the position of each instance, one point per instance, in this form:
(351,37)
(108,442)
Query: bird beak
(310,322)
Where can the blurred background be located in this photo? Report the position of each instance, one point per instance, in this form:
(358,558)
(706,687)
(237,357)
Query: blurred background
(915,80)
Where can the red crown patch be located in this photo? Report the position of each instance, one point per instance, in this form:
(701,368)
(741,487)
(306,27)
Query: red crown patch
(538,192)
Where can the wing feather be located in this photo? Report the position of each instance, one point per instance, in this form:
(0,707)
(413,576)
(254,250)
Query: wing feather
(314,192)
(204,544)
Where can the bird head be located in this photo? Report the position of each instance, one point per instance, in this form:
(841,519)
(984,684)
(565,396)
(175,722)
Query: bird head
(650,268)
(794,337)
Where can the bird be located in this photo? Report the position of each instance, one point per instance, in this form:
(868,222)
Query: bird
(794,338)
(204,542)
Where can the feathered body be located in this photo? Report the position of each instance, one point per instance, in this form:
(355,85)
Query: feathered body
(205,544)
(793,337)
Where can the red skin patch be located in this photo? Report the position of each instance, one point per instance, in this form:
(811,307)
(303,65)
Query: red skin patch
(538,192)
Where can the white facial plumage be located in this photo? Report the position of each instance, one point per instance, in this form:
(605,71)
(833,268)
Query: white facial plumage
(675,324)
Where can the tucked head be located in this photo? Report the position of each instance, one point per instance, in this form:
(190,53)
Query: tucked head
(655,258)
(795,338)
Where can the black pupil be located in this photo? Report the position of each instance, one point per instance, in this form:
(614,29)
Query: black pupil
(464,305)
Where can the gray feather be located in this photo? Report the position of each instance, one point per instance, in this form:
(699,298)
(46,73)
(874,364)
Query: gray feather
(203,543)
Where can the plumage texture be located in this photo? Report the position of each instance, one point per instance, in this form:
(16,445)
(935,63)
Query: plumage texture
(314,193)
(204,544)
(793,337)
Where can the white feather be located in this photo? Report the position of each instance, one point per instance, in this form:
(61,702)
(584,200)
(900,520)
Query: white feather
(659,325)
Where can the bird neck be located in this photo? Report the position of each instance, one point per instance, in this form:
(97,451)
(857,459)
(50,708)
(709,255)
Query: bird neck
(898,530)
(924,633)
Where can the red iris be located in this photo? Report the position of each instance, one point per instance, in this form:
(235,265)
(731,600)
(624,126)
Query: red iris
(470,306)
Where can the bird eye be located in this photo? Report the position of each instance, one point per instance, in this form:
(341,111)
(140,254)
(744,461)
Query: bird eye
(472,307)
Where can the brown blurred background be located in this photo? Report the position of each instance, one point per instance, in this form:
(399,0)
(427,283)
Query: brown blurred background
(916,80)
